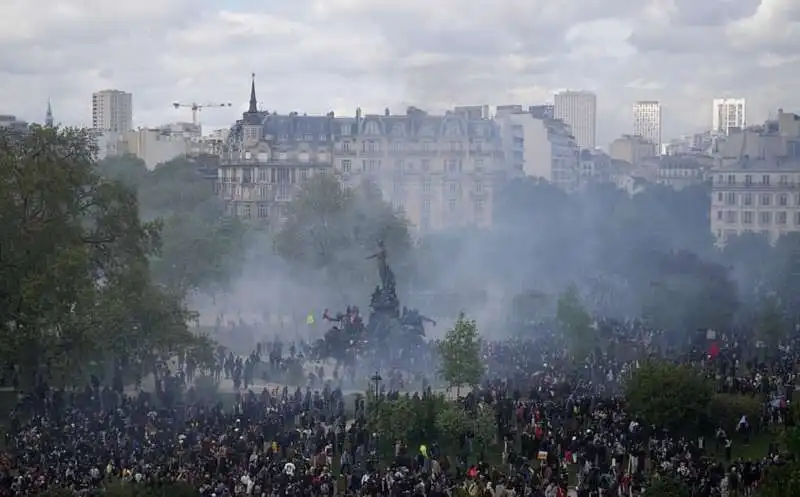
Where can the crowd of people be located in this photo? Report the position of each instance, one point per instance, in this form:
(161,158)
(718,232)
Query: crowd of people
(562,430)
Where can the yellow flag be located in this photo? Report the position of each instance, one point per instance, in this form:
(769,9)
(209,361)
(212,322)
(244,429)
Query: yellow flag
(310,319)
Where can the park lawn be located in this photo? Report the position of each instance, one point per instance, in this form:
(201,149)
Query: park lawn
(757,448)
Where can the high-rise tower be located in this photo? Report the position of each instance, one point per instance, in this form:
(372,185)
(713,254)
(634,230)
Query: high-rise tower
(578,109)
(647,121)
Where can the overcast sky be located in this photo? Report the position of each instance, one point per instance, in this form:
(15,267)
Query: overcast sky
(318,55)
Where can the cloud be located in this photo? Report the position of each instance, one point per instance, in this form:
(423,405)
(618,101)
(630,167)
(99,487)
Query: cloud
(319,55)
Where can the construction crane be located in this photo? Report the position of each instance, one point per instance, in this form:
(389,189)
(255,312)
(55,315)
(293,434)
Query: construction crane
(198,107)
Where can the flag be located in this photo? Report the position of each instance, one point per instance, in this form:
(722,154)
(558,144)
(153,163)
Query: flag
(310,319)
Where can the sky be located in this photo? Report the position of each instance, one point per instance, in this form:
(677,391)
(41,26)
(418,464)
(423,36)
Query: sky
(314,56)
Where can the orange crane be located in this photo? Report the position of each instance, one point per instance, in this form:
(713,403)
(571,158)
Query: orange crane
(198,107)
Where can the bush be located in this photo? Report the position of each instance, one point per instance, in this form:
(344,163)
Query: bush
(669,396)
(726,410)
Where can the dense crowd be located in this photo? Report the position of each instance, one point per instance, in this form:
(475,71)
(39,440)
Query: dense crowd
(562,430)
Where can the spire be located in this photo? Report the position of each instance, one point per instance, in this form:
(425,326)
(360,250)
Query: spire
(253,102)
(48,118)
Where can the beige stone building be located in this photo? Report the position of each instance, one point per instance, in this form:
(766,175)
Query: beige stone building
(632,149)
(440,171)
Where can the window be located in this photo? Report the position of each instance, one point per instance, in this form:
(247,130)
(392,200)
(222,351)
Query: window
(372,128)
(747,199)
(731,179)
(479,206)
(451,205)
(783,200)
(784,179)
(450,165)
(780,217)
(766,199)
(452,187)
(347,166)
(345,130)
(748,179)
(397,146)
(426,206)
(478,164)
(730,216)
(263,211)
(303,174)
(797,218)
(479,186)
(719,215)
(364,165)
(346,146)
(719,197)
(308,138)
(262,174)
(747,217)
(426,185)
(323,138)
(765,218)
(426,165)
(765,179)
(730,198)
(246,211)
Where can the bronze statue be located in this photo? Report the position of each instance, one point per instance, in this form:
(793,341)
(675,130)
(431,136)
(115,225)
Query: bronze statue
(384,271)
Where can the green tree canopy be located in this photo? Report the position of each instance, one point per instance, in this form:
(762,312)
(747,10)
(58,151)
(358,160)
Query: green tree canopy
(331,227)
(575,322)
(202,248)
(670,396)
(460,354)
(74,258)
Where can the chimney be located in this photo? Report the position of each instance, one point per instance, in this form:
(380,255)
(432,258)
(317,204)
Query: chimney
(386,111)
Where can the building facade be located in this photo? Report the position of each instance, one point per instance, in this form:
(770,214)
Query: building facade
(647,121)
(11,122)
(549,150)
(578,109)
(680,171)
(112,111)
(632,149)
(764,199)
(542,111)
(728,114)
(438,171)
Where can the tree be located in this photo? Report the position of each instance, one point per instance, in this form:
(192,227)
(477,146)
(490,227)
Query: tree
(784,480)
(74,256)
(669,485)
(575,322)
(688,293)
(203,248)
(460,354)
(332,227)
(670,396)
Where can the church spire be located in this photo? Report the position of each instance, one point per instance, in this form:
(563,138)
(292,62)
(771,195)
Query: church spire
(253,102)
(48,118)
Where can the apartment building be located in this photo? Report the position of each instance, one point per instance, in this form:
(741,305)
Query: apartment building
(112,111)
(439,171)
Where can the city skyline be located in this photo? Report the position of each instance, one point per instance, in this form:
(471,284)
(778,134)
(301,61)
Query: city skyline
(338,55)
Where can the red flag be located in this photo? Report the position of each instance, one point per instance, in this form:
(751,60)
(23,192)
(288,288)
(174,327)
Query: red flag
(713,350)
